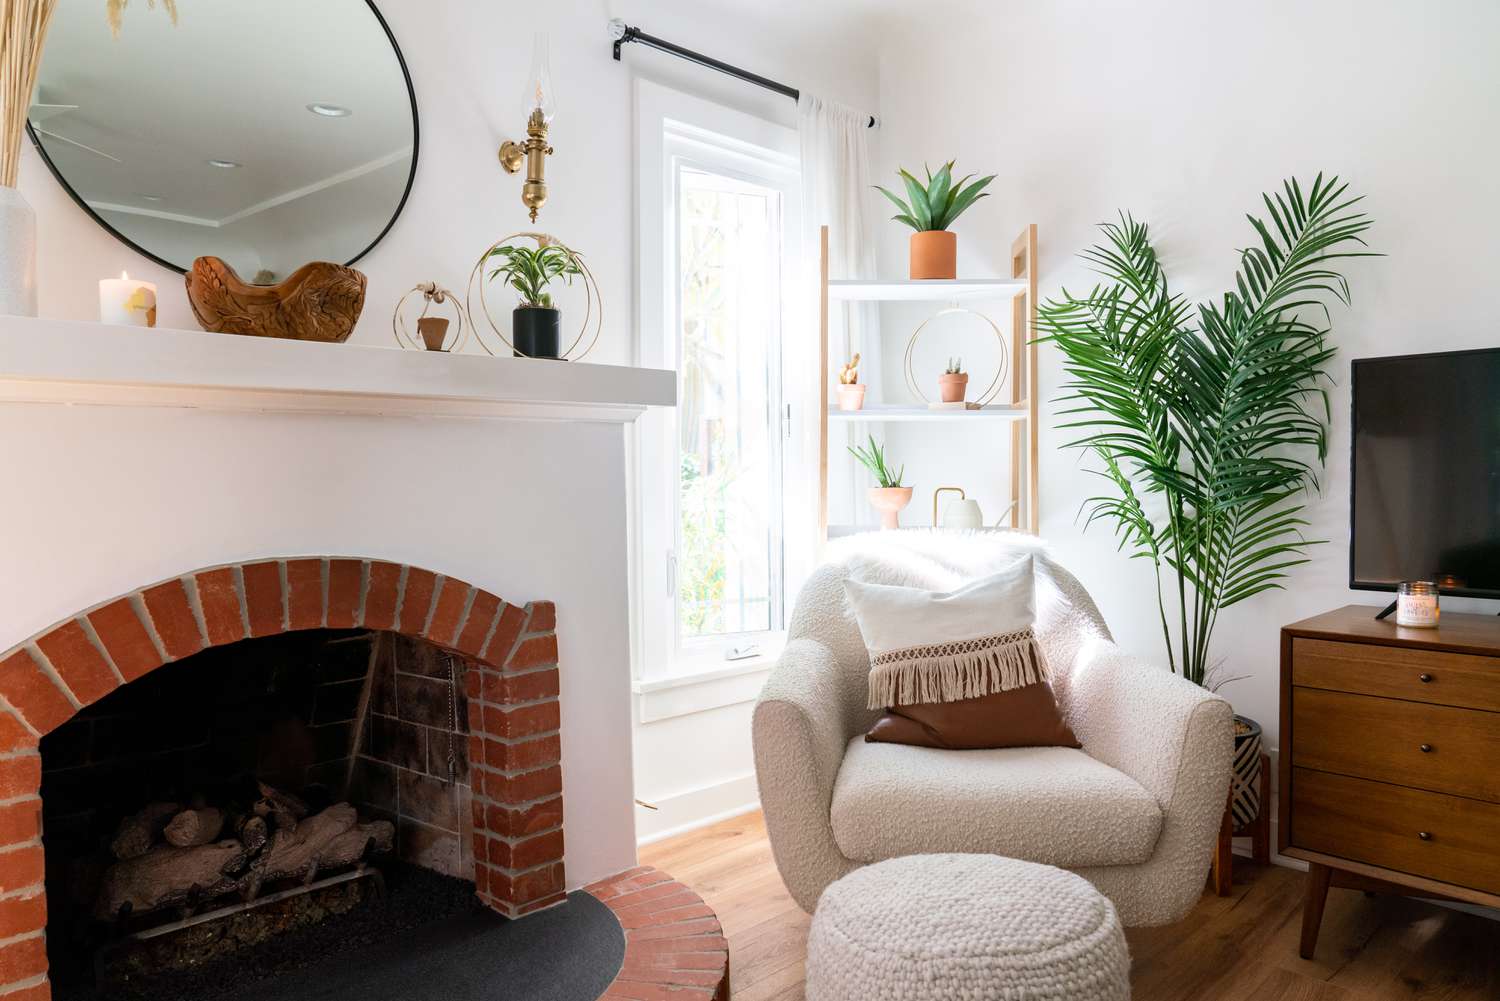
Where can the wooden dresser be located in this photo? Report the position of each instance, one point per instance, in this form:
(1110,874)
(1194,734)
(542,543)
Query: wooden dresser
(1390,757)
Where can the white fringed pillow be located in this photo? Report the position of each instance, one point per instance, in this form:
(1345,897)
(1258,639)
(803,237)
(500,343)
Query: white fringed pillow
(928,647)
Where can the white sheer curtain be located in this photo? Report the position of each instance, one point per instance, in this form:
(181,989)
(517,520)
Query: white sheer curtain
(835,152)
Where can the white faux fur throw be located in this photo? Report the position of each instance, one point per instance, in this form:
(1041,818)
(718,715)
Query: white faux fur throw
(928,646)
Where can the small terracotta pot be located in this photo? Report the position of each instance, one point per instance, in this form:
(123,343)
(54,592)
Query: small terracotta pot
(934,254)
(852,397)
(434,331)
(952,387)
(889,501)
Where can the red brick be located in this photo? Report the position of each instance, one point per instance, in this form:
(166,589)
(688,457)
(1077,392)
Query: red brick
(519,823)
(534,652)
(536,905)
(123,634)
(381,595)
(528,687)
(666,959)
(543,617)
(504,638)
(476,716)
(219,599)
(416,600)
(448,614)
(15,737)
(635,973)
(32,694)
(19,915)
(304,584)
(536,884)
(517,756)
(263,599)
(22,867)
(537,850)
(688,945)
(609,885)
(678,929)
(647,918)
(172,615)
(624,990)
(78,662)
(472,676)
(476,808)
(39,992)
(527,721)
(21,822)
(345,580)
(23,960)
(477,626)
(650,895)
(525,787)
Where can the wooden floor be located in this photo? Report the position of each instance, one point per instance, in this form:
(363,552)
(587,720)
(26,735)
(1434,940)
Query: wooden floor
(1237,948)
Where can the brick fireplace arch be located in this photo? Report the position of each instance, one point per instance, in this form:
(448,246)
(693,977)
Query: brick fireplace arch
(511,682)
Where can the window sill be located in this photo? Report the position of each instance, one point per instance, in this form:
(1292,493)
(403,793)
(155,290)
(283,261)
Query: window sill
(712,688)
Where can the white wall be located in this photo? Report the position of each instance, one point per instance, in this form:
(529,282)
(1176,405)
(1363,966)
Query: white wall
(1183,112)
(468,60)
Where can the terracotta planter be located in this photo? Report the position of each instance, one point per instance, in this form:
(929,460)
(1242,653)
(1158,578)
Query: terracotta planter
(434,331)
(852,397)
(934,254)
(889,501)
(952,387)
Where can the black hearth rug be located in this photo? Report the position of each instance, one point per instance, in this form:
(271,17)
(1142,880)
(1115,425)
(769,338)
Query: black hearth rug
(570,952)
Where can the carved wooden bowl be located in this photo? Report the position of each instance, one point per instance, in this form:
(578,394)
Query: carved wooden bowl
(317,302)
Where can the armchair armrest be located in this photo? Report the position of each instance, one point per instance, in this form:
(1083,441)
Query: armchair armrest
(800,727)
(1176,740)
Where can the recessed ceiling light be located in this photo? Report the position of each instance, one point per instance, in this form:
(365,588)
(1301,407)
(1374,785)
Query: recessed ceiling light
(225,164)
(329,110)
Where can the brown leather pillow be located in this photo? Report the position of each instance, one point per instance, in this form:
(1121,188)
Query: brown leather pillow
(1022,717)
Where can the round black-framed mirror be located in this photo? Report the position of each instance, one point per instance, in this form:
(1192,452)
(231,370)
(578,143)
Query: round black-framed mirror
(267,134)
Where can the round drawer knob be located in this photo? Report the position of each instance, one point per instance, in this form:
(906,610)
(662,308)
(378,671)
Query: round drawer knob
(1424,678)
(1425,835)
(1426,748)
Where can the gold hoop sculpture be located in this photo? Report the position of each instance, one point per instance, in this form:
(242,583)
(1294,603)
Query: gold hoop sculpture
(993,389)
(593,312)
(432,293)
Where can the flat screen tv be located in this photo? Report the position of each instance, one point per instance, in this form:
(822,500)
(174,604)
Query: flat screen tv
(1425,497)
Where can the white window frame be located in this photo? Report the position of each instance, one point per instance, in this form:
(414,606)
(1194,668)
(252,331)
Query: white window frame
(674,129)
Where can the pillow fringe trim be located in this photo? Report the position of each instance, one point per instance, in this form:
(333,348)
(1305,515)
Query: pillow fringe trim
(952,672)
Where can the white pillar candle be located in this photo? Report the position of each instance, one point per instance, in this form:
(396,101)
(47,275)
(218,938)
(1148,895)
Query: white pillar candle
(127,302)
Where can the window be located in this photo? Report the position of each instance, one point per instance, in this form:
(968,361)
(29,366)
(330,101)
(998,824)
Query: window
(718,218)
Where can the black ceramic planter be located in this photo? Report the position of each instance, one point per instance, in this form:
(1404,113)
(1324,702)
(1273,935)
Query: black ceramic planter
(534,332)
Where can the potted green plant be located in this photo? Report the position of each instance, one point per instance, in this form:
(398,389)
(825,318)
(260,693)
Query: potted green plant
(930,209)
(851,390)
(890,496)
(1210,420)
(535,323)
(953,384)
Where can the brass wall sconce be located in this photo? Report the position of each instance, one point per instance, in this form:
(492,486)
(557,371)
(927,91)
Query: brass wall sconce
(532,152)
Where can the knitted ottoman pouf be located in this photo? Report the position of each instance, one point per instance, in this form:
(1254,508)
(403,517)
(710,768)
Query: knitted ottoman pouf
(965,928)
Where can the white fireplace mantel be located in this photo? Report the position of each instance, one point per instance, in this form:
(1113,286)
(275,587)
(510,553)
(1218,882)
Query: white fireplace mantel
(67,361)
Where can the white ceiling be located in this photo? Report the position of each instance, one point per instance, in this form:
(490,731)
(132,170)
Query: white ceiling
(231,81)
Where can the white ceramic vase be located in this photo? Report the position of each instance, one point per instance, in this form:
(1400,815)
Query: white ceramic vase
(17,254)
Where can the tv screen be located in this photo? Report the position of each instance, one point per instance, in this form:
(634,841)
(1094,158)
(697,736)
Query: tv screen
(1426,472)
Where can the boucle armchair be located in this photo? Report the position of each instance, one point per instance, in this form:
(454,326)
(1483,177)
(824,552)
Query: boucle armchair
(1136,811)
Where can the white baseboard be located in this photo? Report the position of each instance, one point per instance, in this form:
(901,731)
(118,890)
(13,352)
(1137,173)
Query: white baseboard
(694,808)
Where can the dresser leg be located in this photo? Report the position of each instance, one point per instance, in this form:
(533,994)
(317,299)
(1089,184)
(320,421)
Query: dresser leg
(1318,878)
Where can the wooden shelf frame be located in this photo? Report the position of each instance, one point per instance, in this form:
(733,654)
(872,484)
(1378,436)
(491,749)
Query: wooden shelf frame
(1023,411)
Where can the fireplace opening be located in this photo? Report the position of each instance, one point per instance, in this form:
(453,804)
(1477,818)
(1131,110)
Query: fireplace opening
(256,808)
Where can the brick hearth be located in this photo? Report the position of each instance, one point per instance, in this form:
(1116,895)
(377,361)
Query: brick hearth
(511,679)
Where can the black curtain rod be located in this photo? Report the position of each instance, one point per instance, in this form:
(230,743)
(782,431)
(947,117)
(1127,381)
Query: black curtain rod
(624,33)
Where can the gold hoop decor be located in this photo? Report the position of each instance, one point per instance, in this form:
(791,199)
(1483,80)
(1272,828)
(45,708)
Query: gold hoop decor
(993,389)
(593,310)
(432,294)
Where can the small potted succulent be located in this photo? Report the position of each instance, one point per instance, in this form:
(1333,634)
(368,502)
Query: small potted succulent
(953,384)
(890,497)
(851,390)
(931,209)
(535,324)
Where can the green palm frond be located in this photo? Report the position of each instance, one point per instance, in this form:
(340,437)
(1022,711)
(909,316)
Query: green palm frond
(1210,420)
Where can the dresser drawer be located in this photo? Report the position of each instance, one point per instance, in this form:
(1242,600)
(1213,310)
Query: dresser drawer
(1382,825)
(1438,748)
(1451,679)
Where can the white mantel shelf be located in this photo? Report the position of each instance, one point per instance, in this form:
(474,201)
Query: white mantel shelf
(67,361)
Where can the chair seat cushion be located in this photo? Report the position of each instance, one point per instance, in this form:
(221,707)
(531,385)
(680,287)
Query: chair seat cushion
(1054,805)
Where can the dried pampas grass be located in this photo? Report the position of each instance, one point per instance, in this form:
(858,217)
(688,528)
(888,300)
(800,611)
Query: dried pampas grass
(114,9)
(22,33)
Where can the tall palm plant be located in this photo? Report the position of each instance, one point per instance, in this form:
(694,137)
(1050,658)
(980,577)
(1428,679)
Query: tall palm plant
(1209,420)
